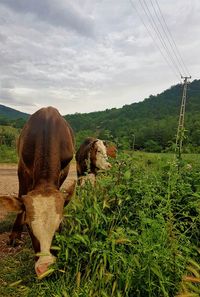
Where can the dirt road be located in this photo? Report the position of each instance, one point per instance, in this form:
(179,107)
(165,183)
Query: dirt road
(9,181)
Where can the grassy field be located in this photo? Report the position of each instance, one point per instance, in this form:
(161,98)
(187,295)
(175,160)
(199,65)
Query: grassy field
(135,234)
(8,140)
(8,154)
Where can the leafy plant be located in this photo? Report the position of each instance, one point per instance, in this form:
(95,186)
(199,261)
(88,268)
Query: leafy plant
(130,235)
(135,234)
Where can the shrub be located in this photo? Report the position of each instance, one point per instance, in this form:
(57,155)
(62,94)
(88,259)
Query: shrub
(132,234)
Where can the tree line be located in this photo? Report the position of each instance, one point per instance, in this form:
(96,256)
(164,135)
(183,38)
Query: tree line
(150,125)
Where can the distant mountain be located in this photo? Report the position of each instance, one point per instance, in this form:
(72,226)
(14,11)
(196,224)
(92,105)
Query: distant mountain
(12,114)
(149,125)
(155,107)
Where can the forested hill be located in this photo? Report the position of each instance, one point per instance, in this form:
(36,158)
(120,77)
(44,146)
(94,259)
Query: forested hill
(151,124)
(11,113)
(12,116)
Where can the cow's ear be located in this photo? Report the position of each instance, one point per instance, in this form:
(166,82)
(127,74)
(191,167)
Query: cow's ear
(92,145)
(10,204)
(68,192)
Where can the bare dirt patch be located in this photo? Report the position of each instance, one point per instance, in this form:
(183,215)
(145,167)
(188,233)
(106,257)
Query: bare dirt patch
(8,179)
(6,249)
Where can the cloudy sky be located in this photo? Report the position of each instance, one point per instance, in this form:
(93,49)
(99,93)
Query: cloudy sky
(90,55)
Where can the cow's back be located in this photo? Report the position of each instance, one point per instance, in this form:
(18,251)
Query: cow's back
(45,146)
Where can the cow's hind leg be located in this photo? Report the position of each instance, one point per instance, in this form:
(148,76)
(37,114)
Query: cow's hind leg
(17,229)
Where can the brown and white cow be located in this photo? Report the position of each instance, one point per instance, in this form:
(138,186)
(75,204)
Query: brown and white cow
(91,157)
(111,151)
(45,149)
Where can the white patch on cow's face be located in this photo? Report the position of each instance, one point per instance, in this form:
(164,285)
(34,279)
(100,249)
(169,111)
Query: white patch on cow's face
(45,221)
(101,156)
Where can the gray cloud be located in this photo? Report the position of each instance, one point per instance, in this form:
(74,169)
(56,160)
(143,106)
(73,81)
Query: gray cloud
(9,97)
(59,13)
(82,56)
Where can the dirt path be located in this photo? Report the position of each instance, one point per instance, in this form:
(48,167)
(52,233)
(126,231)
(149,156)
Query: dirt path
(9,181)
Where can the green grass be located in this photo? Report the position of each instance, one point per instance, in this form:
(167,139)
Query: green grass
(8,140)
(8,154)
(7,223)
(135,234)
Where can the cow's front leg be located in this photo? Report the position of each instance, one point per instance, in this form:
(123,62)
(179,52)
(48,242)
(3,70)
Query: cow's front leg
(63,174)
(15,236)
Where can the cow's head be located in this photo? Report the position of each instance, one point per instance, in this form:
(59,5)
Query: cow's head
(43,215)
(99,156)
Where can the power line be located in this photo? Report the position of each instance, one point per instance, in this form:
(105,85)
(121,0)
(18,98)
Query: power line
(171,50)
(167,46)
(167,37)
(174,47)
(152,37)
(159,34)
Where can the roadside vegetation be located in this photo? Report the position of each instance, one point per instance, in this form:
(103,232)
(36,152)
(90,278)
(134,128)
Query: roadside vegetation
(135,234)
(8,139)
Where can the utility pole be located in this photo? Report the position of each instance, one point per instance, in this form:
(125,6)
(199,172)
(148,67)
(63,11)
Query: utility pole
(180,130)
(133,145)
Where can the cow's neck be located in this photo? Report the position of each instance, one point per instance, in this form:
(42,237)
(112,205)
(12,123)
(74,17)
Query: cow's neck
(46,185)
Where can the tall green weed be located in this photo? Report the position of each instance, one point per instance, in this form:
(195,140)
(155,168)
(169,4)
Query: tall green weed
(133,233)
